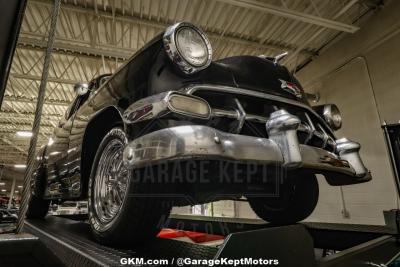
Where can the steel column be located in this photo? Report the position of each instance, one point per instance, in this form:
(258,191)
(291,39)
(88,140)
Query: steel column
(11,193)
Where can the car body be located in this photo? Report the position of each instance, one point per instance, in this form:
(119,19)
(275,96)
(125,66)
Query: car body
(8,216)
(71,208)
(245,110)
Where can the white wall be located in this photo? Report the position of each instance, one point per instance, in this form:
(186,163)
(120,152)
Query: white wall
(361,74)
(186,210)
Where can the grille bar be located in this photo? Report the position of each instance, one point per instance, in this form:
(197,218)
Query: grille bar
(327,141)
(234,108)
(226,90)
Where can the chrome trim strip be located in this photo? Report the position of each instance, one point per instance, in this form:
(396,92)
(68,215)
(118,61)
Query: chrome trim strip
(312,128)
(241,115)
(215,112)
(325,135)
(234,90)
(152,107)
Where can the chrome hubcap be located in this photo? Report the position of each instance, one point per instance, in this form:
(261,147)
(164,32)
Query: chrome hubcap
(110,183)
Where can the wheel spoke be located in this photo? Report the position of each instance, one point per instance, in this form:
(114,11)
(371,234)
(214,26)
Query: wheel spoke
(118,198)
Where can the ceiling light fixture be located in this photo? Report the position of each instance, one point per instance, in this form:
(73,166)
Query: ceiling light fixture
(51,141)
(20,166)
(24,133)
(2,183)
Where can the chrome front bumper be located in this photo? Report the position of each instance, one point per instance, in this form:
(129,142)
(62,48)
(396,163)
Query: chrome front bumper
(282,148)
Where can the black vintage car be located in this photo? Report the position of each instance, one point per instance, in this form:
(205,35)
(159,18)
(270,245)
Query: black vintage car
(8,216)
(172,127)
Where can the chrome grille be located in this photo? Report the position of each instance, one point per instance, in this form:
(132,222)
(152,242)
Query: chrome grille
(247,114)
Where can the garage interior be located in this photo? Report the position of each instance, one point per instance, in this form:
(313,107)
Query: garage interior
(343,51)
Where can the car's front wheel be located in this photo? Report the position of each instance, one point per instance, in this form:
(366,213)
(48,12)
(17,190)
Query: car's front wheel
(295,200)
(121,211)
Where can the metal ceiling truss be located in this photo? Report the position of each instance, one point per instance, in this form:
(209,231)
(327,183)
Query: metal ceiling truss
(23,99)
(292,14)
(121,47)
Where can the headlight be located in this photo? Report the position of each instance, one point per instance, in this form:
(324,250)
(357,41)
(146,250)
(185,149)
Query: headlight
(188,47)
(189,105)
(331,114)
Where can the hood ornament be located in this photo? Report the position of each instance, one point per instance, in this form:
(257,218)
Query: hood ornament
(279,57)
(291,88)
(276,58)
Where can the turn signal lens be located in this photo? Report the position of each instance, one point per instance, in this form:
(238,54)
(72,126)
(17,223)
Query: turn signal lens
(189,105)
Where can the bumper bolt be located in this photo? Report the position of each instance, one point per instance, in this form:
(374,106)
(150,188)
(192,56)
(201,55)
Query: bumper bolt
(217,140)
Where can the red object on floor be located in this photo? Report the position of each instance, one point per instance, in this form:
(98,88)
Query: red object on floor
(194,236)
(170,233)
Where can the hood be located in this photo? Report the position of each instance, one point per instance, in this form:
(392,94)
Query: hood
(247,72)
(150,71)
(259,74)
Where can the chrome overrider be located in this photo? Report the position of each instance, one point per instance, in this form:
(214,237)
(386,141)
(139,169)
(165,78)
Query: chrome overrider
(203,142)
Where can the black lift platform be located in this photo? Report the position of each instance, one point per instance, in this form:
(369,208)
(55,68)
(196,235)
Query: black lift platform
(71,241)
(293,245)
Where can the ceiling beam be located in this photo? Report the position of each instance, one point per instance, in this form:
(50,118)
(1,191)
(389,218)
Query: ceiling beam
(13,160)
(13,124)
(11,135)
(24,127)
(3,146)
(292,14)
(27,39)
(8,152)
(38,78)
(13,114)
(54,79)
(24,99)
(18,140)
(8,142)
(21,145)
(9,173)
(32,47)
(292,57)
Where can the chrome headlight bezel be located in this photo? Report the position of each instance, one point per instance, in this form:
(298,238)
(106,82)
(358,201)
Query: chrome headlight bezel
(331,114)
(172,49)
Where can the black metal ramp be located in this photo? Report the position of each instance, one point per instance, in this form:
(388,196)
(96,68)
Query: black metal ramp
(72,243)
(25,250)
(333,236)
